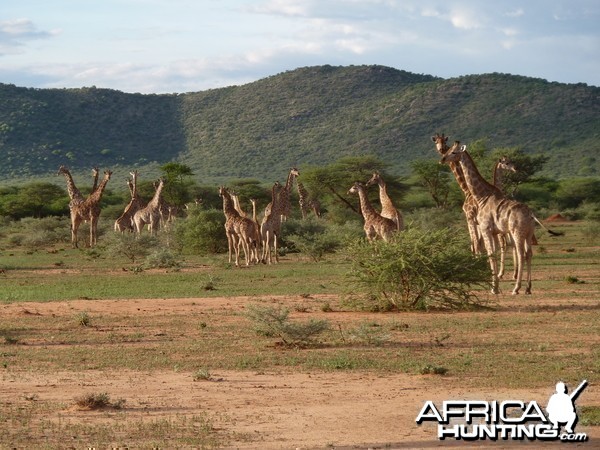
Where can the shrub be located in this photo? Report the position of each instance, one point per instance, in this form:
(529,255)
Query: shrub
(130,245)
(274,322)
(313,237)
(201,232)
(162,258)
(417,270)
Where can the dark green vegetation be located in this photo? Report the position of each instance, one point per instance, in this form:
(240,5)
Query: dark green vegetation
(308,116)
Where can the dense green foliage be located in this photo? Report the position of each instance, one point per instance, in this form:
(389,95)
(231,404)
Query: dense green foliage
(418,269)
(309,116)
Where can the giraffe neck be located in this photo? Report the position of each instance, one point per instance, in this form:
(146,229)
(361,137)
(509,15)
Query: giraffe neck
(253,210)
(460,177)
(289,182)
(228,208)
(499,176)
(156,199)
(97,194)
(365,205)
(478,186)
(74,193)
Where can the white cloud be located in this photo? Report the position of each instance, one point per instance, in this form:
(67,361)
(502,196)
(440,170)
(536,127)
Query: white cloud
(515,13)
(465,19)
(14,34)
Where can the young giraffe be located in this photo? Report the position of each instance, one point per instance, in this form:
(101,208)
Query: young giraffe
(387,206)
(375,224)
(82,209)
(270,226)
(306,202)
(284,194)
(237,228)
(125,221)
(256,231)
(498,215)
(150,214)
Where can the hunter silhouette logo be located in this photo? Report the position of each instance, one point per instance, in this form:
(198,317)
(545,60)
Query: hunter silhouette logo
(510,419)
(561,406)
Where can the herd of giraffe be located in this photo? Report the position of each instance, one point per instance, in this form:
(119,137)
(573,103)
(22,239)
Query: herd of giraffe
(492,218)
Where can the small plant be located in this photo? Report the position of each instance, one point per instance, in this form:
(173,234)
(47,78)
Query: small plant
(162,258)
(98,401)
(370,333)
(202,375)
(209,285)
(573,280)
(83,319)
(589,415)
(433,370)
(274,322)
(326,307)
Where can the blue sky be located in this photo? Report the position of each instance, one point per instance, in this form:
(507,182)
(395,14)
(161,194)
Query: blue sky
(166,46)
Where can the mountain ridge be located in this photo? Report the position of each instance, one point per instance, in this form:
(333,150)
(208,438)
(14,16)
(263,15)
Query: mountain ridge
(307,116)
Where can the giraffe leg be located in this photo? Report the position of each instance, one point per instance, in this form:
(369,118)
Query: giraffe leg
(275,247)
(528,257)
(502,242)
(520,248)
(488,240)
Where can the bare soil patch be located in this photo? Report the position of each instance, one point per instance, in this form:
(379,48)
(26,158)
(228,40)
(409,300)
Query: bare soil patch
(260,409)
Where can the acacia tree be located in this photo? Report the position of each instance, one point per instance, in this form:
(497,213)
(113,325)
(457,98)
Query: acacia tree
(330,183)
(177,183)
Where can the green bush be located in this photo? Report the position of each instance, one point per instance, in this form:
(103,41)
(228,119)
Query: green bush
(274,322)
(130,245)
(417,270)
(201,232)
(314,237)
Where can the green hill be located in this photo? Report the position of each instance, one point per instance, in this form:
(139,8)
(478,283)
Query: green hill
(308,116)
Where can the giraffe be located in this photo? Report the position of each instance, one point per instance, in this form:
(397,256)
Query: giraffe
(306,202)
(84,209)
(504,164)
(125,221)
(284,194)
(498,215)
(150,214)
(270,226)
(387,206)
(469,204)
(375,224)
(239,230)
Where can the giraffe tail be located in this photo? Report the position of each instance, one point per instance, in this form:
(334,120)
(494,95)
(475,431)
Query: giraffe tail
(553,233)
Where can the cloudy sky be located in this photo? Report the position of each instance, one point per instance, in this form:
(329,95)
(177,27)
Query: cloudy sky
(165,46)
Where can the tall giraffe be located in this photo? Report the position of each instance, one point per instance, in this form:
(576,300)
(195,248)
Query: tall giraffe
(469,204)
(239,230)
(504,164)
(387,206)
(375,224)
(498,215)
(150,214)
(284,195)
(83,209)
(270,226)
(125,221)
(306,202)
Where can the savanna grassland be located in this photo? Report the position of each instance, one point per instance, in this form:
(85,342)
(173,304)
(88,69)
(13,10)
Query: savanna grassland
(96,352)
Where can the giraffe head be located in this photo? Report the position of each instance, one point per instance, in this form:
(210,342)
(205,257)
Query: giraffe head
(294,172)
(440,141)
(107,174)
(505,163)
(95,171)
(356,188)
(374,179)
(454,154)
(223,192)
(62,170)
